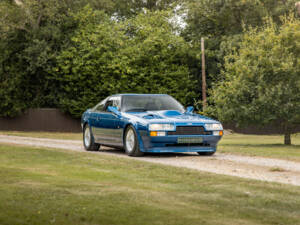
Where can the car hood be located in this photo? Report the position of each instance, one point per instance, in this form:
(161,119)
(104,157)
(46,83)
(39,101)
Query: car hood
(170,116)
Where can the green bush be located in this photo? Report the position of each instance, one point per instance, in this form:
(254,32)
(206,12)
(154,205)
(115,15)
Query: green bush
(262,79)
(140,55)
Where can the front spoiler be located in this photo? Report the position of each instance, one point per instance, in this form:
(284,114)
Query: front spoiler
(181,149)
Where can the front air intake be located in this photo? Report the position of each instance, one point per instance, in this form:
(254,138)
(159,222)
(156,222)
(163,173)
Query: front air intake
(190,130)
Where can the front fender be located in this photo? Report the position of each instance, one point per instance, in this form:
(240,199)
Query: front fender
(85,118)
(141,130)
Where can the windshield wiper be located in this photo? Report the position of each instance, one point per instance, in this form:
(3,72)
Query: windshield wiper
(136,110)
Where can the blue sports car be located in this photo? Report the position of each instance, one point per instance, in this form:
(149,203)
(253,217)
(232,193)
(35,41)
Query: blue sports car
(141,123)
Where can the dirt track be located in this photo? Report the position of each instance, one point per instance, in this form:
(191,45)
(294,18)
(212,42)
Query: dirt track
(241,166)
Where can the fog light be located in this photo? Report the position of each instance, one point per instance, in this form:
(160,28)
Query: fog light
(218,133)
(161,133)
(153,133)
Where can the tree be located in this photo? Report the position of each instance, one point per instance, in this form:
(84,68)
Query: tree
(262,79)
(31,34)
(140,55)
(126,9)
(157,58)
(297,6)
(216,18)
(222,23)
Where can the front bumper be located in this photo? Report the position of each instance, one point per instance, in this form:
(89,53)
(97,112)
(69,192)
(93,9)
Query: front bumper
(181,149)
(172,144)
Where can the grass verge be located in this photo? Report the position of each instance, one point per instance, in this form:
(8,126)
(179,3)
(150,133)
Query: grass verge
(261,145)
(51,135)
(46,186)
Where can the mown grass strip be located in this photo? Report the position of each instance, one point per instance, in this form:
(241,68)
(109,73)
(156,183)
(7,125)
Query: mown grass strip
(51,135)
(46,186)
(261,145)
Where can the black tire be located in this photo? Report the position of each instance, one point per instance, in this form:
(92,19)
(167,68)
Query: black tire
(89,144)
(135,150)
(206,153)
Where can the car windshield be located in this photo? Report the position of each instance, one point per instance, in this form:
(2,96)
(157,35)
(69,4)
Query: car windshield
(142,103)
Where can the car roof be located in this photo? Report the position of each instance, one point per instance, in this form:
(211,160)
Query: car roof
(133,94)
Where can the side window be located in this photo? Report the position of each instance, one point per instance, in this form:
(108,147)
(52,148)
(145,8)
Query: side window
(100,106)
(113,101)
(108,103)
(117,103)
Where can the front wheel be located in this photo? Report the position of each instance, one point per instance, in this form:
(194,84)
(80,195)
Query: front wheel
(206,153)
(131,142)
(88,140)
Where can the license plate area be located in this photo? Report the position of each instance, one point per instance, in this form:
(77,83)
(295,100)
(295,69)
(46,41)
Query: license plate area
(190,140)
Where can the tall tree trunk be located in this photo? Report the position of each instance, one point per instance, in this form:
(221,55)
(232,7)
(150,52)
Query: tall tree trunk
(287,138)
(297,5)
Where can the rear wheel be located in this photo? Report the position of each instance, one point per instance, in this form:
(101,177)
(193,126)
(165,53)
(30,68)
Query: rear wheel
(88,140)
(206,153)
(131,142)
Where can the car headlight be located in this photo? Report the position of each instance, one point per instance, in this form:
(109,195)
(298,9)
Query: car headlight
(161,127)
(213,126)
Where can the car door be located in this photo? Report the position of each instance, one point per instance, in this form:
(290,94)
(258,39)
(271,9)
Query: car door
(95,119)
(109,131)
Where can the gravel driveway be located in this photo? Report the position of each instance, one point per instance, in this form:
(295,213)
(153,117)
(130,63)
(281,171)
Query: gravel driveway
(265,169)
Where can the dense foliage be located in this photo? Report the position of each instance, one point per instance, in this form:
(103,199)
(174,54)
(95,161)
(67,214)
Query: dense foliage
(140,55)
(223,22)
(36,36)
(72,53)
(262,79)
(31,38)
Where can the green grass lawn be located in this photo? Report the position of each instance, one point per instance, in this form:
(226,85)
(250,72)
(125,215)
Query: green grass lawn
(51,135)
(261,145)
(251,145)
(47,186)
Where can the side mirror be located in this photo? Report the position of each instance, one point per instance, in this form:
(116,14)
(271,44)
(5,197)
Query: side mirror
(114,110)
(190,109)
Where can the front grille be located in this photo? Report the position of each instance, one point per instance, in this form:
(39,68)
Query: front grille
(187,145)
(189,130)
